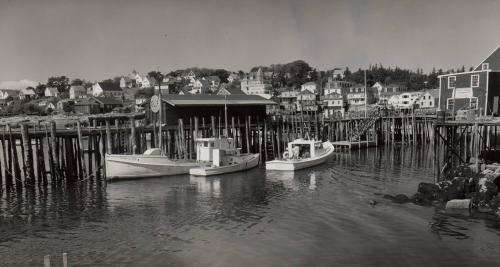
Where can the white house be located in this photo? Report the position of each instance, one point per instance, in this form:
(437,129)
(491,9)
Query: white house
(27,94)
(51,92)
(405,100)
(107,90)
(6,93)
(430,99)
(77,91)
(311,86)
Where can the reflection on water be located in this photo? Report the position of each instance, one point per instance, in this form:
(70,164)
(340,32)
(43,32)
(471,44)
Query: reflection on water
(317,216)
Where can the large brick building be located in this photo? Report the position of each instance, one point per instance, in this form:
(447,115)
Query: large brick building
(478,89)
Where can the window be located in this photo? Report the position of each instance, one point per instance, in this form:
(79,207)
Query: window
(450,103)
(451,82)
(474,80)
(485,66)
(473,103)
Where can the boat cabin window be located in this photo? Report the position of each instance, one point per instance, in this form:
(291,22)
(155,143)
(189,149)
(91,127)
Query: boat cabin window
(301,151)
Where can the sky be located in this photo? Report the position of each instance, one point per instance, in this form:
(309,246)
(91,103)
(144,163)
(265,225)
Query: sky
(97,39)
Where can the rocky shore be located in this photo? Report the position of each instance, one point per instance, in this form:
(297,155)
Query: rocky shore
(462,188)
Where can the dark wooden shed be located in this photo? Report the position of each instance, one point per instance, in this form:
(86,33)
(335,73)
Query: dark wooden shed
(184,107)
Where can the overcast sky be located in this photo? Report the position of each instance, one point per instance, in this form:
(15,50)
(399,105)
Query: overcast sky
(96,39)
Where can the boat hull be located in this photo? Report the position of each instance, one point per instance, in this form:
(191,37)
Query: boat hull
(248,162)
(144,166)
(292,165)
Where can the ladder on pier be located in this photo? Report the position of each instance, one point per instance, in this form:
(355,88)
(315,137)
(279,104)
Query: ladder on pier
(365,125)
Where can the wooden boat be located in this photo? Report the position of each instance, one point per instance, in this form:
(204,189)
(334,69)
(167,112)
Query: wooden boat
(302,154)
(149,164)
(221,157)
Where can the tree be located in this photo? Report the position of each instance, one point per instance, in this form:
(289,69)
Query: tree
(77,82)
(60,82)
(40,89)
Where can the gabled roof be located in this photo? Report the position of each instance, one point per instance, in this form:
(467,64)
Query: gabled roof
(107,100)
(310,83)
(10,92)
(215,100)
(53,90)
(433,92)
(306,92)
(78,88)
(110,87)
(493,60)
(28,92)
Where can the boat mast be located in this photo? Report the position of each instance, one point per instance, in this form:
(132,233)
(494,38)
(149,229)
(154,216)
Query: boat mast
(225,115)
(160,111)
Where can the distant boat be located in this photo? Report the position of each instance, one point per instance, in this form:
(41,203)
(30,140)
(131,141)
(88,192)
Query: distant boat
(302,154)
(149,164)
(222,156)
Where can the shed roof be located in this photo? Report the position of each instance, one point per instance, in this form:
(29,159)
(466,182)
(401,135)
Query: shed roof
(110,87)
(216,100)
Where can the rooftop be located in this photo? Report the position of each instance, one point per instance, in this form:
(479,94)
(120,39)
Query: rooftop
(216,100)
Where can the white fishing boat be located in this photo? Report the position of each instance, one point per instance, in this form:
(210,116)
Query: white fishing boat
(149,164)
(221,156)
(302,154)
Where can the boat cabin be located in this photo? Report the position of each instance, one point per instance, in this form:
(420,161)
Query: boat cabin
(301,148)
(214,149)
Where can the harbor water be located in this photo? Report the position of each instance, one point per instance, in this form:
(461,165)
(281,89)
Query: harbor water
(330,215)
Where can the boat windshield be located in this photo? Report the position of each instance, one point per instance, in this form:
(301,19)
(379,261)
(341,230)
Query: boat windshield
(301,151)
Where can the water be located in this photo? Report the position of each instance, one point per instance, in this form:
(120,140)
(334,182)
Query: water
(314,217)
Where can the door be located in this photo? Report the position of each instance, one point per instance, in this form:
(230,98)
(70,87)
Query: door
(495,105)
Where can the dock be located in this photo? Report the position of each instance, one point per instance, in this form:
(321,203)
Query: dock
(352,145)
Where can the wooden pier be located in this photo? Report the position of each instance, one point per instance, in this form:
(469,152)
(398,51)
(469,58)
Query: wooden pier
(36,153)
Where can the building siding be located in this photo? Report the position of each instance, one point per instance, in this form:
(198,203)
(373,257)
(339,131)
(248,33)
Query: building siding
(463,81)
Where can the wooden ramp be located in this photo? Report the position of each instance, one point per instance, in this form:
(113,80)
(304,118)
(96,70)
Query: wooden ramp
(351,145)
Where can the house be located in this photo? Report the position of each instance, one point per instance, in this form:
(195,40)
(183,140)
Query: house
(307,101)
(51,92)
(477,90)
(406,100)
(233,77)
(126,82)
(214,82)
(95,105)
(77,91)
(6,93)
(200,86)
(47,106)
(311,86)
(288,100)
(356,95)
(190,75)
(334,86)
(136,79)
(148,82)
(429,99)
(333,105)
(253,84)
(107,90)
(384,97)
(27,94)
(229,90)
(65,105)
(386,90)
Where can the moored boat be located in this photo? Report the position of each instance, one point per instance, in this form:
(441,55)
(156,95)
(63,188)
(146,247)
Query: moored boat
(221,157)
(302,154)
(149,164)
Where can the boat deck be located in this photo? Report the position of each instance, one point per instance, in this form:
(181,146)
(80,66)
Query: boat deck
(348,145)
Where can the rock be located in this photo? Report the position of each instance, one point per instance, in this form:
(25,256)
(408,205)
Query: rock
(419,199)
(386,196)
(373,202)
(452,189)
(458,204)
(401,199)
(428,191)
